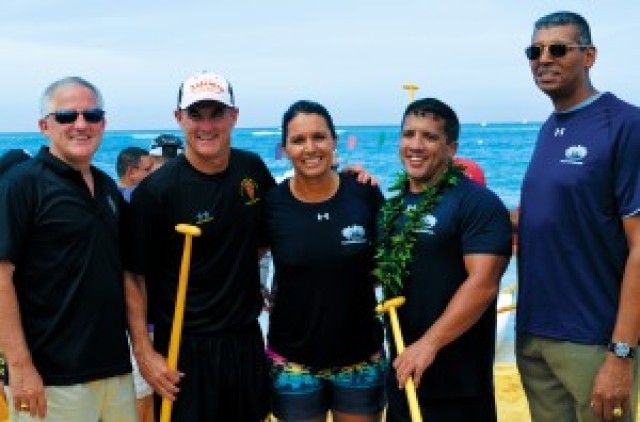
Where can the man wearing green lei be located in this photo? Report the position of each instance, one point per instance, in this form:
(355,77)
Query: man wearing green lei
(444,244)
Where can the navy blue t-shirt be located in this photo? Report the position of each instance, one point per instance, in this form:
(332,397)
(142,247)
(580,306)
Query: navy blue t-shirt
(582,181)
(470,219)
(323,254)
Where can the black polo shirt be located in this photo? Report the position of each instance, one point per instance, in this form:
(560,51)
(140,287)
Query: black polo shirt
(64,244)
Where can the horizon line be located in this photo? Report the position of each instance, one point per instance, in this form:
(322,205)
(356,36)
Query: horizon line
(480,123)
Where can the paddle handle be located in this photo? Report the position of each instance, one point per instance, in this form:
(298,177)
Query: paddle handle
(409,386)
(178,314)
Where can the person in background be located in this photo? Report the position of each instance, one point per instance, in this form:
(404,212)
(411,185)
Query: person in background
(223,371)
(325,344)
(457,236)
(163,148)
(132,165)
(578,316)
(11,158)
(7,161)
(62,310)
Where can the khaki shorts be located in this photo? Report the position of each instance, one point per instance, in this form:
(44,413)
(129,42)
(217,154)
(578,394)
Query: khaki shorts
(557,377)
(106,400)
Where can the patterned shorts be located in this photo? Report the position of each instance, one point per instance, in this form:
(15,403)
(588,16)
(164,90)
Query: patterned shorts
(300,392)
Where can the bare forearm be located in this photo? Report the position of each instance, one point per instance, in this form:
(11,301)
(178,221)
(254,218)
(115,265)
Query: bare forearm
(627,327)
(137,311)
(12,338)
(465,309)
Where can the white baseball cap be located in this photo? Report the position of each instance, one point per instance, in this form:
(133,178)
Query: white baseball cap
(205,86)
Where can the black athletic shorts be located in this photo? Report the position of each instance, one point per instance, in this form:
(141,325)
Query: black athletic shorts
(226,378)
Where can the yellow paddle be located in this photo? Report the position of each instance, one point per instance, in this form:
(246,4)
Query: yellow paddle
(409,387)
(178,315)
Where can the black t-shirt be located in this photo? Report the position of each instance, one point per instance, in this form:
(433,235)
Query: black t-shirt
(324,307)
(224,286)
(470,219)
(64,244)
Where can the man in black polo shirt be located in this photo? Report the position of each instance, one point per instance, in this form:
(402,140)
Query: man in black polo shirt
(62,311)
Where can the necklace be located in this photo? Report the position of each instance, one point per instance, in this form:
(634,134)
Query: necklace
(394,249)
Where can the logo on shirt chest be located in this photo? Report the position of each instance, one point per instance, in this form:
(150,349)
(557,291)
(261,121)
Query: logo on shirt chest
(249,191)
(428,221)
(323,216)
(203,217)
(575,154)
(112,205)
(353,234)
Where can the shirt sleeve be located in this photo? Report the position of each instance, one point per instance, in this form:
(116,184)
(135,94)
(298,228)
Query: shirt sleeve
(16,213)
(486,227)
(626,169)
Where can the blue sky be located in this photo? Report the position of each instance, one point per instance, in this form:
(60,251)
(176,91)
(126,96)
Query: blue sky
(351,56)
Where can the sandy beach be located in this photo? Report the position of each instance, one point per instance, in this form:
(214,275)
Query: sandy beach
(512,405)
(511,402)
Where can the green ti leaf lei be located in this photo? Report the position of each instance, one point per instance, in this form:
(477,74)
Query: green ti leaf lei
(394,249)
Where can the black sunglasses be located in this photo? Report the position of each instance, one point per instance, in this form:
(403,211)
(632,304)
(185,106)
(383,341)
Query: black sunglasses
(92,115)
(533,52)
(218,112)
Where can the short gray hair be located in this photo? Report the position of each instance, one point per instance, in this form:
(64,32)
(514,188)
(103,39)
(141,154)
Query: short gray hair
(45,100)
(566,18)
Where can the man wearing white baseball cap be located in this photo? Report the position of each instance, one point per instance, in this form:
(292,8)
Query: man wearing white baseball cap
(205,86)
(222,369)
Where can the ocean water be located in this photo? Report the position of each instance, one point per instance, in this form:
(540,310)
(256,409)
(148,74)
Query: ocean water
(501,149)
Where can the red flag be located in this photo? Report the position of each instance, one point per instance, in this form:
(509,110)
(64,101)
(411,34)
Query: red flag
(351,142)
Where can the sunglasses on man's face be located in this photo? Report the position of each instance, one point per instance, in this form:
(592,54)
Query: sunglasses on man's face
(533,52)
(216,112)
(92,115)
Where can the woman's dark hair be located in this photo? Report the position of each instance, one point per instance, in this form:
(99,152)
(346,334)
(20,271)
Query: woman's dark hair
(306,107)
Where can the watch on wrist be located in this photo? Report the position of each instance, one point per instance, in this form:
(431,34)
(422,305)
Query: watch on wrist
(621,349)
